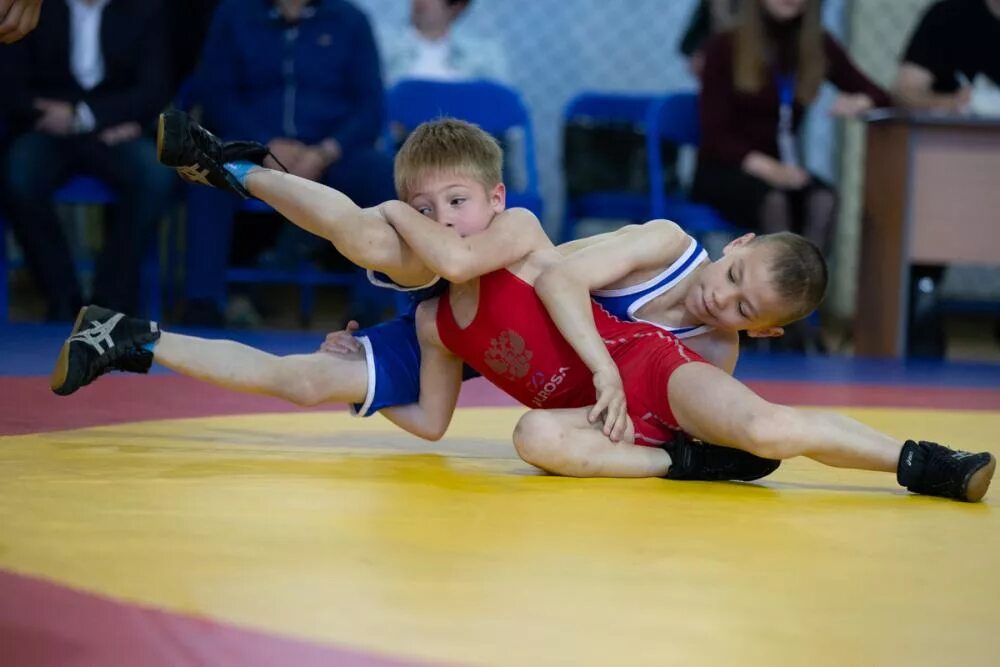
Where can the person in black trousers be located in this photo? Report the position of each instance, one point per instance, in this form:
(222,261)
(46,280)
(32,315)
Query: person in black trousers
(80,95)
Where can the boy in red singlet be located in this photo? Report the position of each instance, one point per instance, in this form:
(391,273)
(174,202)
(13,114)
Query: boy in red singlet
(498,325)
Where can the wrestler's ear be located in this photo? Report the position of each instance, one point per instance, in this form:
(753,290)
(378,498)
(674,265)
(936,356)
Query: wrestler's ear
(738,242)
(770,332)
(498,197)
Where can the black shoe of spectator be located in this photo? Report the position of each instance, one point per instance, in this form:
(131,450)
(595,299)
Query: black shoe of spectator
(199,156)
(934,470)
(101,341)
(695,460)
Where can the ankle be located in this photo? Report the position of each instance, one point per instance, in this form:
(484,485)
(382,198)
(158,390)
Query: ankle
(241,169)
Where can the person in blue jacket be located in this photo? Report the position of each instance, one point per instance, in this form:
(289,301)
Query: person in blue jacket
(303,77)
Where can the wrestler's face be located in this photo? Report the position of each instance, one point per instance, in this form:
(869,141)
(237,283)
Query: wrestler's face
(736,292)
(459,202)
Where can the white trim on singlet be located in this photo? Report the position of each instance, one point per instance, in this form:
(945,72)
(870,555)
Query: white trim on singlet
(678,332)
(374,280)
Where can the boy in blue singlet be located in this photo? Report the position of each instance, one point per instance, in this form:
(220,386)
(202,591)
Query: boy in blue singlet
(448,171)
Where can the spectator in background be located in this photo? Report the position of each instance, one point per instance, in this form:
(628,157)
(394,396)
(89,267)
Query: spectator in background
(18,18)
(757,83)
(709,18)
(79,94)
(955,41)
(189,21)
(429,48)
(303,77)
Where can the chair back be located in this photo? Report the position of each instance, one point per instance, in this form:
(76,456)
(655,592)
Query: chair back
(609,107)
(495,107)
(673,118)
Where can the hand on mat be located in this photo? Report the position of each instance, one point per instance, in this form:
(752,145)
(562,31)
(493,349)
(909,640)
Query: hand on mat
(610,403)
(18,18)
(342,341)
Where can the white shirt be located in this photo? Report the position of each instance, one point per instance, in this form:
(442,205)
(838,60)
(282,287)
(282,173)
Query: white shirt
(432,58)
(86,61)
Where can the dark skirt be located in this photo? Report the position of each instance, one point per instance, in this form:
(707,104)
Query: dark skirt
(738,196)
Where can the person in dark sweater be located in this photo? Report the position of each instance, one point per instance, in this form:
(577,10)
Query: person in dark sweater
(303,77)
(757,83)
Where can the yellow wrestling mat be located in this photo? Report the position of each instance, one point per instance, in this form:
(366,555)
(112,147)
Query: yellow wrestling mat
(324,527)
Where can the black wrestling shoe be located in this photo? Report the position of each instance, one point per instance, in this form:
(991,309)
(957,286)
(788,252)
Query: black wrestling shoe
(101,341)
(934,470)
(695,460)
(199,156)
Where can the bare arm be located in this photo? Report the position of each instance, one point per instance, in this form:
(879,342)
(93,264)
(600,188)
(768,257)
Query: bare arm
(565,289)
(512,236)
(913,88)
(362,235)
(719,348)
(440,382)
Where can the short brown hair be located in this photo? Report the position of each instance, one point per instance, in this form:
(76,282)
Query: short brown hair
(798,273)
(450,146)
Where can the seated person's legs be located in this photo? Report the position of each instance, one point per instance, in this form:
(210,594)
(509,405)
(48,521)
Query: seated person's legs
(819,215)
(775,213)
(208,234)
(143,189)
(36,165)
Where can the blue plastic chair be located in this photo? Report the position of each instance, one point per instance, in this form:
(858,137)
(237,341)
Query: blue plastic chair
(674,118)
(89,191)
(601,108)
(496,108)
(305,276)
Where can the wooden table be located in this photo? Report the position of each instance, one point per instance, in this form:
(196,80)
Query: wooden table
(932,196)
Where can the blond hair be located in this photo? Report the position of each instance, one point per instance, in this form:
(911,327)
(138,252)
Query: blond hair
(750,53)
(448,146)
(798,273)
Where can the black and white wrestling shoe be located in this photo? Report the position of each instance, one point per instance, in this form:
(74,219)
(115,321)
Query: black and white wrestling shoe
(101,341)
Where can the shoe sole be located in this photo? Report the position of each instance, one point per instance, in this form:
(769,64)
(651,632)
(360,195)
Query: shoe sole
(169,128)
(980,480)
(160,128)
(58,378)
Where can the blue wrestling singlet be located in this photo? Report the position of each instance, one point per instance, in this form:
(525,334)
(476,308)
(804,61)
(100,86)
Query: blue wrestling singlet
(392,351)
(624,302)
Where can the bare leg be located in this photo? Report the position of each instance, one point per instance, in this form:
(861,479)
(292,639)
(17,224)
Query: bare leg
(820,212)
(303,379)
(362,235)
(714,407)
(775,213)
(564,442)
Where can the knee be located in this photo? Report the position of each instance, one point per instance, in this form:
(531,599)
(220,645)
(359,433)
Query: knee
(536,437)
(769,433)
(299,386)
